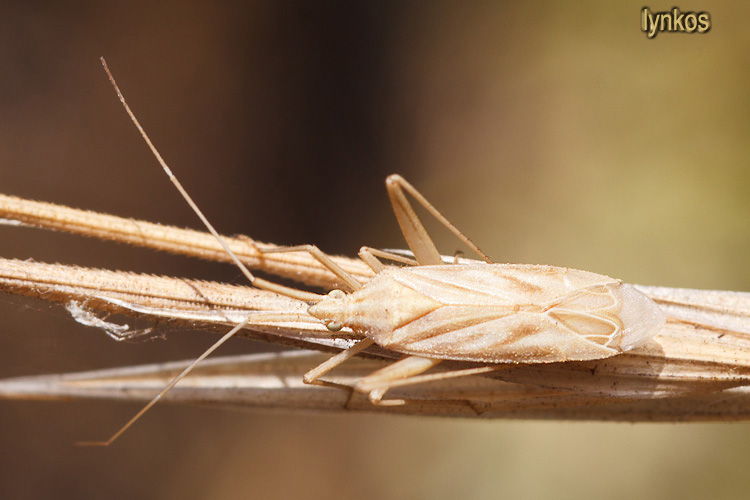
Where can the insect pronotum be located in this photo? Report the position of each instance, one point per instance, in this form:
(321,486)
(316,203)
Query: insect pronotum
(430,311)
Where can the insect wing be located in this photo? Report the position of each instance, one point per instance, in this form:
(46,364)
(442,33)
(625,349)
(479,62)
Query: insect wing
(525,314)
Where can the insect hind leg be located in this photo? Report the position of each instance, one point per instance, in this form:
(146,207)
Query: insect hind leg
(412,228)
(378,383)
(409,371)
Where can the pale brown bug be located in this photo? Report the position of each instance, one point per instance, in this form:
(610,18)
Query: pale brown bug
(432,311)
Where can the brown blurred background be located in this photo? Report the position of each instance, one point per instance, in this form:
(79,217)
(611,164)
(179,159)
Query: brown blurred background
(557,135)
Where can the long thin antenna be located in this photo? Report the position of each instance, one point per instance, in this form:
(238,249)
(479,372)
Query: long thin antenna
(168,388)
(257,282)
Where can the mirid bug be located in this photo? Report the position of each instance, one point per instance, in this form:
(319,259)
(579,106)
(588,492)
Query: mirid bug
(481,312)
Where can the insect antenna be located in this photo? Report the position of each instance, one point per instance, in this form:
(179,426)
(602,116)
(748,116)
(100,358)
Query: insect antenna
(168,387)
(257,282)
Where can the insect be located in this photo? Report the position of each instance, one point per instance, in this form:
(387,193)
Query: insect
(430,311)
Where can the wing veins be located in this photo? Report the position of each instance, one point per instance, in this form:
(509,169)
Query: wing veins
(444,327)
(454,286)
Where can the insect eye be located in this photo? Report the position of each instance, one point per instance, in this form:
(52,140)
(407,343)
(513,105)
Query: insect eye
(334,326)
(336,294)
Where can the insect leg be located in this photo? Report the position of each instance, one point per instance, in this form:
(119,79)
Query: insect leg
(312,376)
(321,257)
(414,232)
(407,372)
(379,382)
(370,256)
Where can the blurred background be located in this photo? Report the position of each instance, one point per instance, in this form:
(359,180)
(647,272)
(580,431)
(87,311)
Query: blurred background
(549,134)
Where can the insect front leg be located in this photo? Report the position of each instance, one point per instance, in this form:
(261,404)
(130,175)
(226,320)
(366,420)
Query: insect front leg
(321,257)
(370,256)
(312,377)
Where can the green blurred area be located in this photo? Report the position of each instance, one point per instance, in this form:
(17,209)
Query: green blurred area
(556,134)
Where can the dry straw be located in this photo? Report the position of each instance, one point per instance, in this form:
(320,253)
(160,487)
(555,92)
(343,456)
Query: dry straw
(696,368)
